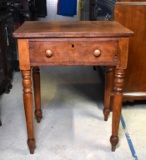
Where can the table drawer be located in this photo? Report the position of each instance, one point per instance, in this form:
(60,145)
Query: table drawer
(71,52)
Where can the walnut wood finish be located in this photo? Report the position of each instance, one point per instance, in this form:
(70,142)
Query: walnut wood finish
(74,29)
(37,98)
(73,52)
(116,104)
(78,43)
(27,97)
(108,90)
(109,78)
(135,86)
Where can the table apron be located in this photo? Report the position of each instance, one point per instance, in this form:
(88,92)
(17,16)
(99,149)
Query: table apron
(73,51)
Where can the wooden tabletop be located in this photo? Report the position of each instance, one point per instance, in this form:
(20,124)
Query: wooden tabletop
(52,29)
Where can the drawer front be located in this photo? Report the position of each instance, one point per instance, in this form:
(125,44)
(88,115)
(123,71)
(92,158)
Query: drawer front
(72,52)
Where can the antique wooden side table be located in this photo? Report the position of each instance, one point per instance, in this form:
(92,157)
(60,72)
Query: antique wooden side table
(99,43)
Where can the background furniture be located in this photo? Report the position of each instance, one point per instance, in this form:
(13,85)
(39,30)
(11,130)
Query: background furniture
(133,16)
(23,9)
(8,55)
(104,9)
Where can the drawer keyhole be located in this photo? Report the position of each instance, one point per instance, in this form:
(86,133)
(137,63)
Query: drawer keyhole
(73,46)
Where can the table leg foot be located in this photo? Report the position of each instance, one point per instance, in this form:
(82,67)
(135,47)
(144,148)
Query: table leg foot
(38,115)
(114,141)
(106,112)
(31,145)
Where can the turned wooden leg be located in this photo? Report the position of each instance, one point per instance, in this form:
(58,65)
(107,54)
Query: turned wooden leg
(37,99)
(116,106)
(107,92)
(28,107)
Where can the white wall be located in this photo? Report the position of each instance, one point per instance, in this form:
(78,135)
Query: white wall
(52,13)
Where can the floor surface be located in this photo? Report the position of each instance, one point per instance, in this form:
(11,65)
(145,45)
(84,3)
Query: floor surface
(72,127)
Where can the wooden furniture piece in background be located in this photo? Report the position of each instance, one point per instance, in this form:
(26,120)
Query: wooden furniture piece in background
(133,16)
(71,43)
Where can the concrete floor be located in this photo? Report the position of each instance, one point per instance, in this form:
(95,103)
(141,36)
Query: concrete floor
(72,127)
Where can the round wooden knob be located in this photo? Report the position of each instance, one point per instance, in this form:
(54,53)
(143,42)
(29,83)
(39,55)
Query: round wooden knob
(49,53)
(97,53)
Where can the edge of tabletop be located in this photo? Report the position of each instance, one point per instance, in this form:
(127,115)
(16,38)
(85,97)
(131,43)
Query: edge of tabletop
(71,29)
